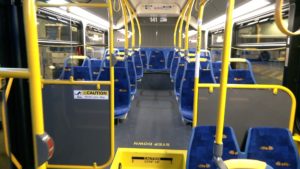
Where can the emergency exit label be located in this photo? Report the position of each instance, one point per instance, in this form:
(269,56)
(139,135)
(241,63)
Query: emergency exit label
(91,95)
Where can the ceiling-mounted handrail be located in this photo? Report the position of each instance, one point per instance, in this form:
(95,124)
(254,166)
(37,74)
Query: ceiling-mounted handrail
(125,17)
(187,26)
(177,24)
(137,22)
(180,36)
(132,24)
(279,20)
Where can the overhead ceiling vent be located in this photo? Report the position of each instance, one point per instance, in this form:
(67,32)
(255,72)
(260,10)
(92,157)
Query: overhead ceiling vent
(158,9)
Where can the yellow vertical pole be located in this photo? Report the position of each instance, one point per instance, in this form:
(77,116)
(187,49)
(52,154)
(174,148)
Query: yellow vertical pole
(33,60)
(189,13)
(177,24)
(112,73)
(224,73)
(198,52)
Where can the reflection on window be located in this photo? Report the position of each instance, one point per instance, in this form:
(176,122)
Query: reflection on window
(217,39)
(95,41)
(53,58)
(264,32)
(51,28)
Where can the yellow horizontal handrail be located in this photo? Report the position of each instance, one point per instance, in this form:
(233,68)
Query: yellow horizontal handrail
(194,59)
(279,20)
(14,73)
(73,82)
(275,89)
(86,5)
(118,58)
(237,60)
(78,57)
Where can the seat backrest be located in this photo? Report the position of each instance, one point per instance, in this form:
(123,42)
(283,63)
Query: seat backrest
(170,58)
(174,65)
(104,74)
(206,76)
(178,75)
(132,74)
(78,72)
(157,60)
(240,76)
(122,87)
(186,98)
(96,65)
(138,64)
(144,58)
(275,146)
(200,153)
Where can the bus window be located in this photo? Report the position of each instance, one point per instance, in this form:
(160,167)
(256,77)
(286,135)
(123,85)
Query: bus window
(95,42)
(59,38)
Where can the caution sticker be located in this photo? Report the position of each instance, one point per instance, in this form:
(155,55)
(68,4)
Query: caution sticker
(91,95)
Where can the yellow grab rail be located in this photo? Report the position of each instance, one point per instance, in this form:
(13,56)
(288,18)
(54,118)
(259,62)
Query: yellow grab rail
(137,22)
(177,23)
(279,20)
(181,24)
(198,53)
(132,24)
(187,25)
(124,11)
(14,73)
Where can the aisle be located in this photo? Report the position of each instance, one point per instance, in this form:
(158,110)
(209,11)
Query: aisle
(153,122)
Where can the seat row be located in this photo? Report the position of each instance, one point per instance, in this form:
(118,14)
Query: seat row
(99,70)
(182,73)
(157,59)
(275,146)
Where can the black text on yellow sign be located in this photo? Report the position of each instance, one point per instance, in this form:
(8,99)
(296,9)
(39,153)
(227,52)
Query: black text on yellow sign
(91,94)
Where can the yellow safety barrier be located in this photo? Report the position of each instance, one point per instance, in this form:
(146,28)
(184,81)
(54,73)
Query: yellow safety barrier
(279,20)
(273,88)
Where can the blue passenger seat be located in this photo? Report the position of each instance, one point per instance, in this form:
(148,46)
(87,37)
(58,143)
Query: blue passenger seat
(122,88)
(144,58)
(174,65)
(78,72)
(138,64)
(96,65)
(178,76)
(200,152)
(157,61)
(170,58)
(122,92)
(132,75)
(275,146)
(186,96)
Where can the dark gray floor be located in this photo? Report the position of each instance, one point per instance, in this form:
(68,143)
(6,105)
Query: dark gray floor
(268,72)
(154,120)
